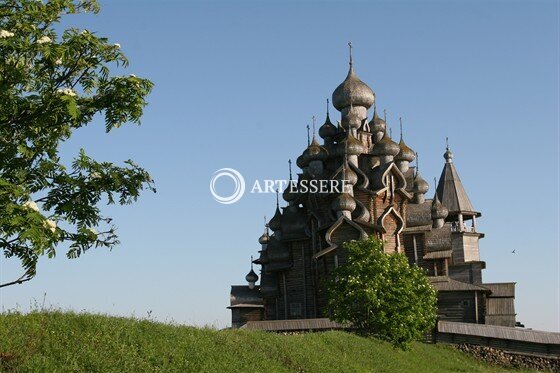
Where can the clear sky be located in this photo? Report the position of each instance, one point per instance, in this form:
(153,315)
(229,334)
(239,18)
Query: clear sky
(235,86)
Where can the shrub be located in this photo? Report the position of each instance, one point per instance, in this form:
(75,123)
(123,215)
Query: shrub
(381,294)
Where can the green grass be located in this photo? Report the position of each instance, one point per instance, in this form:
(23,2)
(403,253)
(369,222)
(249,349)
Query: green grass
(63,341)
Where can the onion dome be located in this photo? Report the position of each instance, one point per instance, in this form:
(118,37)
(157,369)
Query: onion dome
(439,211)
(448,155)
(276,222)
(327,130)
(350,145)
(344,202)
(289,193)
(352,91)
(301,161)
(251,276)
(349,175)
(315,152)
(386,146)
(405,153)
(377,124)
(420,186)
(264,238)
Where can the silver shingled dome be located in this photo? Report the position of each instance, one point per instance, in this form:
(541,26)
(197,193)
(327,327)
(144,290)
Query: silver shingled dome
(252,276)
(439,211)
(344,202)
(405,153)
(351,145)
(352,91)
(263,239)
(327,130)
(386,146)
(420,185)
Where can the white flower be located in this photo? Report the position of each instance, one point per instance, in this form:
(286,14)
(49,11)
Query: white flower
(93,232)
(5,34)
(117,45)
(31,205)
(67,92)
(132,76)
(95,175)
(84,32)
(44,39)
(50,224)
(58,61)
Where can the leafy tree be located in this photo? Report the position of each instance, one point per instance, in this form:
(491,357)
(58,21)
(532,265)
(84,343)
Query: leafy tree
(381,294)
(52,83)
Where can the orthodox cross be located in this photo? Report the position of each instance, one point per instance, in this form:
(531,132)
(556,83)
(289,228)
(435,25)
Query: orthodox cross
(290,167)
(313,120)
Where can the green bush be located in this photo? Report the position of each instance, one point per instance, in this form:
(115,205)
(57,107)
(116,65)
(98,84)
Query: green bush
(381,294)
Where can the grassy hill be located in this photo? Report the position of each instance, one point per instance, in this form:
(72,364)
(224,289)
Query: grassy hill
(61,341)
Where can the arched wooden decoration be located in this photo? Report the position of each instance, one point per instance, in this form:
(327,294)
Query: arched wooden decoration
(341,231)
(392,224)
(344,230)
(363,181)
(361,212)
(394,176)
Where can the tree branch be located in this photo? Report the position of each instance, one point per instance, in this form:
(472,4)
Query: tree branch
(24,278)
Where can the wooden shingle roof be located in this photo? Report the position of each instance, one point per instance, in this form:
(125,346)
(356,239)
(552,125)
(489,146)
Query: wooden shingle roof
(438,254)
(451,192)
(502,289)
(438,239)
(243,295)
(503,332)
(444,283)
(293,325)
(419,214)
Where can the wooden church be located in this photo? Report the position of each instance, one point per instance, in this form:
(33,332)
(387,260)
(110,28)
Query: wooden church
(384,196)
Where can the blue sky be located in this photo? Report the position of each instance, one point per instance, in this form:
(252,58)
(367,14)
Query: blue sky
(235,86)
